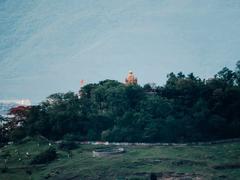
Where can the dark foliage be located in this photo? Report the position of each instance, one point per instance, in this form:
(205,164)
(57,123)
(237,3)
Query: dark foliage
(153,176)
(4,170)
(67,145)
(187,108)
(45,157)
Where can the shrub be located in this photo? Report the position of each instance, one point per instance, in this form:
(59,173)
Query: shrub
(45,157)
(6,155)
(72,137)
(153,176)
(105,135)
(4,170)
(67,145)
(17,134)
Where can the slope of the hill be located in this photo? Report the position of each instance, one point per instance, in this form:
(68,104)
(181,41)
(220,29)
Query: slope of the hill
(219,161)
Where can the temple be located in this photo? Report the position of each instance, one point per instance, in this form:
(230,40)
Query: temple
(131,79)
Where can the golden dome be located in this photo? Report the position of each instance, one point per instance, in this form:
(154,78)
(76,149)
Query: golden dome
(131,79)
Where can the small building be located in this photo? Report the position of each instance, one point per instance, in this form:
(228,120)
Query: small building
(131,79)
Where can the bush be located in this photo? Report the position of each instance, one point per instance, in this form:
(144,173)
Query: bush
(105,135)
(17,134)
(45,157)
(72,137)
(6,155)
(4,170)
(67,145)
(153,176)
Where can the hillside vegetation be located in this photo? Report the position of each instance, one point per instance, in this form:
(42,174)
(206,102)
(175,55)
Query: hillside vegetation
(138,162)
(185,109)
(41,142)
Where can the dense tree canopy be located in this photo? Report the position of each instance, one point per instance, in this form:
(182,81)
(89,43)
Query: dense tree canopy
(186,108)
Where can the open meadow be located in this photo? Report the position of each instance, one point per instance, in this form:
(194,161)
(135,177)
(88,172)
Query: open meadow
(220,161)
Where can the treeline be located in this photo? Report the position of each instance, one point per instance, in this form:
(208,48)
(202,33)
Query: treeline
(186,108)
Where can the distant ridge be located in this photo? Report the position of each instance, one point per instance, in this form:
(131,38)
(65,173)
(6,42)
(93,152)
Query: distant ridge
(6,105)
(24,102)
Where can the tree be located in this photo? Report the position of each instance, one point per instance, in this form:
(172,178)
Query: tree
(186,108)
(227,75)
(134,95)
(237,73)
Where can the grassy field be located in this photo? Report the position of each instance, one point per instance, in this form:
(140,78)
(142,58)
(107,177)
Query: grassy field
(221,161)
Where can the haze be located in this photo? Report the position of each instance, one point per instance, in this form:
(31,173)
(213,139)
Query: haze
(49,46)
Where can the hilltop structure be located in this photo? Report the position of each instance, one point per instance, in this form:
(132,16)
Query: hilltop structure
(131,79)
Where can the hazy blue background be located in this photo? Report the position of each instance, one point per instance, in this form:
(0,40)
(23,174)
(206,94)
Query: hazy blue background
(47,46)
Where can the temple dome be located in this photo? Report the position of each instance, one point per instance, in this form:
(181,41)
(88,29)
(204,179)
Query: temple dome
(131,79)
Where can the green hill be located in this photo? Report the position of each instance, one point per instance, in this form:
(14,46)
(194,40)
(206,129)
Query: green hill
(220,161)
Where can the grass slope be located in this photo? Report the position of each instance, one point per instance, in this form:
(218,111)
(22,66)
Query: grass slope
(220,161)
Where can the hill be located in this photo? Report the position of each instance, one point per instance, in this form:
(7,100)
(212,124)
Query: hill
(220,161)
(186,109)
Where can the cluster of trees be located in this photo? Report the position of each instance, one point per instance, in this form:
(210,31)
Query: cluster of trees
(186,108)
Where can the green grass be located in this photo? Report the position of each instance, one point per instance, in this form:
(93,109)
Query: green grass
(137,163)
